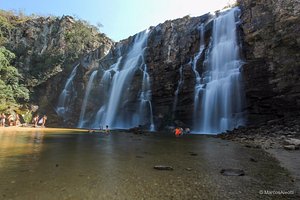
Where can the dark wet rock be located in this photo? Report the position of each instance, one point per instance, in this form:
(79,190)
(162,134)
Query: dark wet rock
(136,130)
(163,167)
(193,154)
(253,160)
(139,156)
(232,172)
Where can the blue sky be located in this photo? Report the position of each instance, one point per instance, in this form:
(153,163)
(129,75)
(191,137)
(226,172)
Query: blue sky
(120,18)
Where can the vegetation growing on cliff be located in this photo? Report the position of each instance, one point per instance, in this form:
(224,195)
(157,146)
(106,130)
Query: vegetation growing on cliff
(36,50)
(11,91)
(80,38)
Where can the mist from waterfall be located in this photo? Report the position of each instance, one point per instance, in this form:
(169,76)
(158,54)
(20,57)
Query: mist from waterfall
(222,97)
(65,97)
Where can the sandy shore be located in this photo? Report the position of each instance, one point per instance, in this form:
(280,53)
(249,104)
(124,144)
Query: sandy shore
(43,129)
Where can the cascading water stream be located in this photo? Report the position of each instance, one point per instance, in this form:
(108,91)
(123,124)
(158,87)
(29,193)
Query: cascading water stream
(65,96)
(179,86)
(222,98)
(171,42)
(81,123)
(198,89)
(118,81)
(145,100)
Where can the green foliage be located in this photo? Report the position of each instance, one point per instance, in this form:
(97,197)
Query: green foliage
(27,116)
(81,37)
(5,27)
(44,61)
(11,91)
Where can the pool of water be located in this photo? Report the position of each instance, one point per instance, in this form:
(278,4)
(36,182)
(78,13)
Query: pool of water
(74,165)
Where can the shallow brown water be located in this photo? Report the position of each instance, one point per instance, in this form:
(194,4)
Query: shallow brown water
(75,165)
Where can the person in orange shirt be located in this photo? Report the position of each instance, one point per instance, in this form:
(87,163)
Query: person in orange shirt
(178,132)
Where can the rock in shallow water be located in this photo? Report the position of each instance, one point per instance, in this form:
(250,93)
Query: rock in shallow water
(292,141)
(163,167)
(232,172)
(290,147)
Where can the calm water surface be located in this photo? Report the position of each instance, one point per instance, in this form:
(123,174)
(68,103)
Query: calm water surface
(45,165)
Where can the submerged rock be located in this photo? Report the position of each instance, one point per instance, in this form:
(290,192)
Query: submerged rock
(293,141)
(232,172)
(163,167)
(290,147)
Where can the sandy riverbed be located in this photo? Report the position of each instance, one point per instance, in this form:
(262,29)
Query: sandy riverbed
(62,164)
(41,129)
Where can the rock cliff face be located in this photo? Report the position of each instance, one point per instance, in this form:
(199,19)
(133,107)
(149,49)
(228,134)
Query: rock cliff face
(269,35)
(269,32)
(170,46)
(271,48)
(44,49)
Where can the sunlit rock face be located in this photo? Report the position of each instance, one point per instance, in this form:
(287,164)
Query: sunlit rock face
(146,95)
(43,58)
(151,78)
(172,73)
(272,60)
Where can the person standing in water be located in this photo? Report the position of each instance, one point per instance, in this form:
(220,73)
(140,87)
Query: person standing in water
(107,129)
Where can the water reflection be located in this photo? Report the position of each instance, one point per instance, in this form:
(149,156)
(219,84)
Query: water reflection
(120,166)
(13,143)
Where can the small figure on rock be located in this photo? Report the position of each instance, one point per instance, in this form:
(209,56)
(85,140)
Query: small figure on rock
(36,120)
(3,117)
(178,132)
(44,119)
(187,130)
(17,123)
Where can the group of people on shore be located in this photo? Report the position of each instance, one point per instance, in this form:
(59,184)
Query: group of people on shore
(39,121)
(14,120)
(106,130)
(10,120)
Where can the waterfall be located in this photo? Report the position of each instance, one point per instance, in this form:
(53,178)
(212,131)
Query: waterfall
(145,101)
(222,99)
(171,42)
(81,122)
(62,108)
(198,89)
(179,86)
(112,112)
